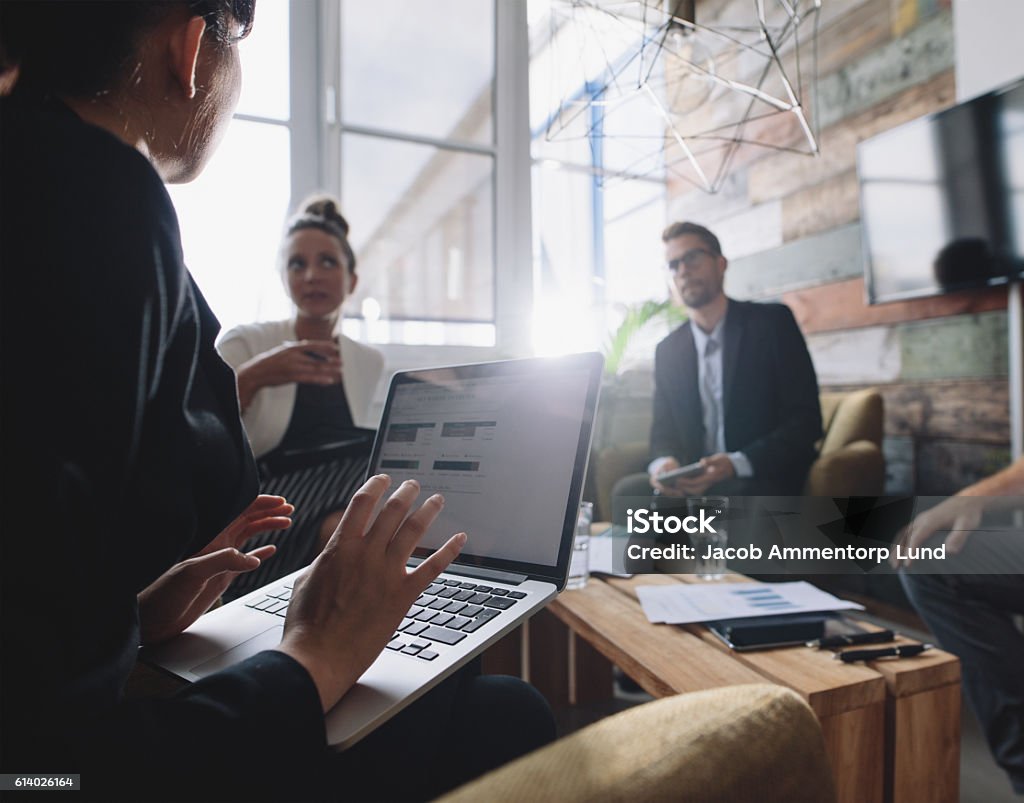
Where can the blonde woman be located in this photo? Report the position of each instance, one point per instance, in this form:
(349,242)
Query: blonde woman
(301,383)
(305,390)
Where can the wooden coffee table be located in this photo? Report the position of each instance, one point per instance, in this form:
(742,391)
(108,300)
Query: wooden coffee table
(892,728)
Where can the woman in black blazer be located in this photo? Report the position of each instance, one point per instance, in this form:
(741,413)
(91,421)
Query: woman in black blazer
(127,465)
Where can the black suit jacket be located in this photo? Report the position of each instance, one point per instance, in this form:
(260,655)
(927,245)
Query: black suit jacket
(124,453)
(770,397)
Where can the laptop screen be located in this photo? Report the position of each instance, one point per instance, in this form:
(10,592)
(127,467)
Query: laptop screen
(507,445)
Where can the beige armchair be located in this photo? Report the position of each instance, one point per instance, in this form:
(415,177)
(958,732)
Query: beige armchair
(736,743)
(756,742)
(850,460)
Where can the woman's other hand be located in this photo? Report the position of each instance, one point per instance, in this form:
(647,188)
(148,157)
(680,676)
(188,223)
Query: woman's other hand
(264,513)
(315,362)
(187,590)
(350,602)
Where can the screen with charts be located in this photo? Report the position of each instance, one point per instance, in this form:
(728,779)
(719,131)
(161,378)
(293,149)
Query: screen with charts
(501,448)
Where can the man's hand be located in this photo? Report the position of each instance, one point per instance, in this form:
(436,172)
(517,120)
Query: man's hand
(187,590)
(664,488)
(717,467)
(961,515)
(345,609)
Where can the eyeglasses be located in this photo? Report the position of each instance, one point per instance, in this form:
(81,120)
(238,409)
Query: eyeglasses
(690,259)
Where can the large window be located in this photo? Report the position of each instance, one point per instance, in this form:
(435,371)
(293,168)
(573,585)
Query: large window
(231,216)
(599,200)
(416,131)
(414,114)
(420,118)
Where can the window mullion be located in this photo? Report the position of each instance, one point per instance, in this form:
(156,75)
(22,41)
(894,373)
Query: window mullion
(305,81)
(513,257)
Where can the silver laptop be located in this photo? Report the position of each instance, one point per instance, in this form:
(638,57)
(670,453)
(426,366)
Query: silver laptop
(507,444)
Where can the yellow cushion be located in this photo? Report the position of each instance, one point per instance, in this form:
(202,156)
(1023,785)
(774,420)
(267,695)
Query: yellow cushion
(756,742)
(848,417)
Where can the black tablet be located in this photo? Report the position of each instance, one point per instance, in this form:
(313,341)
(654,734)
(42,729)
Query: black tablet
(765,632)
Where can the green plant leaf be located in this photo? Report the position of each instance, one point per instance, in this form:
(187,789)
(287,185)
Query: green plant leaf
(637,317)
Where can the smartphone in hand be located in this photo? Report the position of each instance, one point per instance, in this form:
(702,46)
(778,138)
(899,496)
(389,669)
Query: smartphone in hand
(683,472)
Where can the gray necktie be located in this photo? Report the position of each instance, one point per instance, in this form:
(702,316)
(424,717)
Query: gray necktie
(708,400)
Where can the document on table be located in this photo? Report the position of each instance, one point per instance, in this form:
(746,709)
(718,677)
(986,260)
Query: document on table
(602,555)
(682,603)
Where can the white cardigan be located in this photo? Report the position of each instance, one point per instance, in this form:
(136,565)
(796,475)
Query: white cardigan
(267,416)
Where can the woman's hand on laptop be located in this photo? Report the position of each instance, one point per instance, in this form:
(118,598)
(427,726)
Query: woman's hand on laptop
(264,513)
(345,609)
(186,591)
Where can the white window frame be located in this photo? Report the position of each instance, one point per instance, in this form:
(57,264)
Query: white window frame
(316,155)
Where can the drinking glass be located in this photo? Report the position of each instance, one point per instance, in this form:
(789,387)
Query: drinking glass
(579,565)
(710,567)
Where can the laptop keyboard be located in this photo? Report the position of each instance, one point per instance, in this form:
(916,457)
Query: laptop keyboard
(275,601)
(443,615)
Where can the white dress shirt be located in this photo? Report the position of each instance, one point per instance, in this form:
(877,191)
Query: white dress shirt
(709,346)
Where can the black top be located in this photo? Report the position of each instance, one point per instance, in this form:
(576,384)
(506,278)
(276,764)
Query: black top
(123,453)
(321,416)
(769,397)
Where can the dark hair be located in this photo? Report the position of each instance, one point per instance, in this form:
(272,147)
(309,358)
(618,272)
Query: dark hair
(80,48)
(321,212)
(963,260)
(681,228)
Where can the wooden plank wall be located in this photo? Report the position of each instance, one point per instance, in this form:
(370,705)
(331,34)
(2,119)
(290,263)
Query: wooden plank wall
(789,224)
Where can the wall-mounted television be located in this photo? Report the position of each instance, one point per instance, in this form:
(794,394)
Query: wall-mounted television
(942,199)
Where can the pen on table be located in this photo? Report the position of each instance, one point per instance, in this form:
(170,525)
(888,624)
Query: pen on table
(902,651)
(873,637)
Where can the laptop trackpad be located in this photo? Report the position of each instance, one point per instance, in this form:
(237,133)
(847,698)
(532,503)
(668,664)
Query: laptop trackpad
(266,640)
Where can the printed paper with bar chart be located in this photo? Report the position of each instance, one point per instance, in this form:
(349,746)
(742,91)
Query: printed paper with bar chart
(679,604)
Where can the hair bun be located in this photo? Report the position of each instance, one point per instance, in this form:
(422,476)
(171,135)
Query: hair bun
(325,207)
(321,212)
